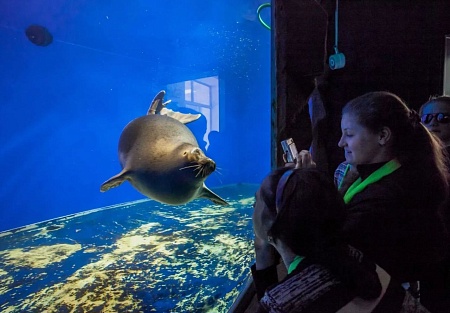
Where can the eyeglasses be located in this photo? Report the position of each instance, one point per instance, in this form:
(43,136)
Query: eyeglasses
(442,118)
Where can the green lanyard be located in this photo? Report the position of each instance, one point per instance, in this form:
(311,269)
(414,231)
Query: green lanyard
(295,263)
(359,185)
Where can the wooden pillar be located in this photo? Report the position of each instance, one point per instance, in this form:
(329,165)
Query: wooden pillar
(298,54)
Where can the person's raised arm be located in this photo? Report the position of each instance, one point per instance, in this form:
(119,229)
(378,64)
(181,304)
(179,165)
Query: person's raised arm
(305,160)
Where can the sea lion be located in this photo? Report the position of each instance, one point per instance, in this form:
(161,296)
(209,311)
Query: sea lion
(160,157)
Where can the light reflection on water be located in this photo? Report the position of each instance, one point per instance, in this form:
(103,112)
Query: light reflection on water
(135,257)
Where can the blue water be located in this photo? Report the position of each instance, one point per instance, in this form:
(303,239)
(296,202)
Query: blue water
(63,106)
(140,256)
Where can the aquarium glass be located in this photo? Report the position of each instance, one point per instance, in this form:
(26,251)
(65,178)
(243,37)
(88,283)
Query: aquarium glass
(73,74)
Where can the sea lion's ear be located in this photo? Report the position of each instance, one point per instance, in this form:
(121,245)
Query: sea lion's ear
(181,117)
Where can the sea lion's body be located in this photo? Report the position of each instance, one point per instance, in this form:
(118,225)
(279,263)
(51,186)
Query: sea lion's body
(160,157)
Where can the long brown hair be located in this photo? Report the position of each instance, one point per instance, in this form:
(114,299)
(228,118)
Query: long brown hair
(414,146)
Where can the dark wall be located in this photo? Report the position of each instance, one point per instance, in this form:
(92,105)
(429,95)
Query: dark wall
(389,45)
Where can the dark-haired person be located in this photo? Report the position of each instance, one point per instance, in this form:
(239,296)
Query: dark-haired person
(401,182)
(393,206)
(300,213)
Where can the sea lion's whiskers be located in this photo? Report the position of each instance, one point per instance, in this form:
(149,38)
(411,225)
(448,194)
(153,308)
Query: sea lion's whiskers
(204,171)
(218,176)
(201,169)
(190,166)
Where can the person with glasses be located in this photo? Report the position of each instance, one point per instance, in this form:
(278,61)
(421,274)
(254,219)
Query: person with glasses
(300,214)
(435,115)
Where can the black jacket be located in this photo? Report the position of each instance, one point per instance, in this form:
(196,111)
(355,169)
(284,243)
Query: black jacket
(395,223)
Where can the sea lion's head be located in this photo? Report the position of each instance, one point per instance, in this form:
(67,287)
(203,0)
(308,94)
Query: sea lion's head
(198,162)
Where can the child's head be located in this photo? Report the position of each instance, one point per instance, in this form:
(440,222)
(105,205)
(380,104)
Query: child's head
(301,207)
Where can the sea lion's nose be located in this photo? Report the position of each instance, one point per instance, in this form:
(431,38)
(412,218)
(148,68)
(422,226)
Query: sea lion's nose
(212,165)
(209,166)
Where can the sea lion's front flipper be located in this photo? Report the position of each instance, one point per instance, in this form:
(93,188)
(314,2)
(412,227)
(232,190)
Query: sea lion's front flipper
(157,104)
(181,117)
(208,194)
(114,181)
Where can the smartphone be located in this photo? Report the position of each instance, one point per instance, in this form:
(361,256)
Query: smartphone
(290,150)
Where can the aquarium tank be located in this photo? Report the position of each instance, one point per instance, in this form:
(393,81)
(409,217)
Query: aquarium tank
(160,237)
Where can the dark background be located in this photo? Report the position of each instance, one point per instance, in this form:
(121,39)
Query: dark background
(396,46)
